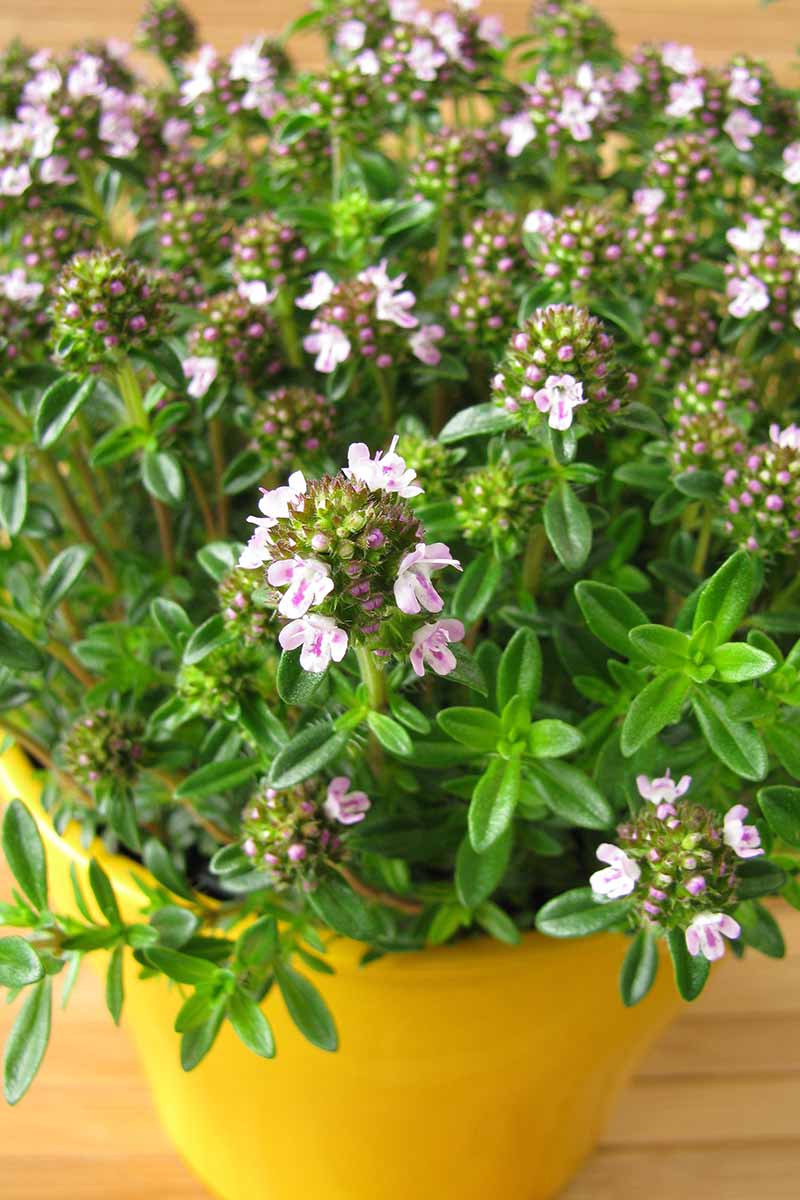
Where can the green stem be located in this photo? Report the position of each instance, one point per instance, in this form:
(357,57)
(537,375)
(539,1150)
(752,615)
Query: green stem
(703,541)
(373,678)
(337,165)
(386,394)
(443,238)
(131,392)
(218,459)
(92,200)
(284,309)
(534,557)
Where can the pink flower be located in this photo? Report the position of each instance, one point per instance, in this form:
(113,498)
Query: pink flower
(17,287)
(431,645)
(116,127)
(15,180)
(413,589)
(685,97)
(791,159)
(748,239)
(56,169)
(175,132)
(350,35)
(330,345)
(424,59)
(368,62)
(741,127)
(790,239)
(391,305)
(560,395)
(576,115)
(744,88)
(747,295)
(278,502)
(619,878)
(490,30)
(307,581)
(321,291)
(539,222)
(744,840)
(201,373)
(86,78)
(704,935)
(790,436)
(423,344)
(383,473)
(199,81)
(680,59)
(341,805)
(648,200)
(256,292)
(663,792)
(258,549)
(519,130)
(627,79)
(321,639)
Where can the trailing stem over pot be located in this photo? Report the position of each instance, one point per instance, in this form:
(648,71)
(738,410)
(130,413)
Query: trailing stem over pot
(401,499)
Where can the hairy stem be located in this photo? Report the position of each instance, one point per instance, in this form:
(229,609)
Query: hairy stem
(218,459)
(412,907)
(535,551)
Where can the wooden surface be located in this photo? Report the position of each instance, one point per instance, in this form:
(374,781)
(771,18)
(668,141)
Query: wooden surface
(716,1106)
(716,28)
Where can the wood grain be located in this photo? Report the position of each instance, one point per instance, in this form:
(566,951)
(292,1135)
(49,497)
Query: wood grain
(717,1102)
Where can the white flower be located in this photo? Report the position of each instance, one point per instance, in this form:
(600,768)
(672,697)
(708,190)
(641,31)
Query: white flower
(345,806)
(116,127)
(747,239)
(321,640)
(748,295)
(790,436)
(490,30)
(560,395)
(539,222)
(279,502)
(44,84)
(86,78)
(321,291)
(307,582)
(619,878)
(444,28)
(744,840)
(403,10)
(175,132)
(201,373)
(330,345)
(199,81)
(350,35)
(576,116)
(664,790)
(424,59)
(423,344)
(741,127)
(40,129)
(791,159)
(431,646)
(680,59)
(686,96)
(519,130)
(368,62)
(259,547)
(393,306)
(56,169)
(413,589)
(648,200)
(248,63)
(744,88)
(704,935)
(383,473)
(791,240)
(15,180)
(17,287)
(256,292)
(627,79)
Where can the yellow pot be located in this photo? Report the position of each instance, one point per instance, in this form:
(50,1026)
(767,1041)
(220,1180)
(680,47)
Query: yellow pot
(465,1072)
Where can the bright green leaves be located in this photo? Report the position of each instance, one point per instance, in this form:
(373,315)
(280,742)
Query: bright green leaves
(781,807)
(553,739)
(24,853)
(578,913)
(609,613)
(473,727)
(250,1024)
(735,662)
(725,598)
(639,968)
(735,743)
(659,704)
(568,527)
(19,963)
(691,972)
(306,754)
(27,1042)
(520,669)
(306,1007)
(494,799)
(477,875)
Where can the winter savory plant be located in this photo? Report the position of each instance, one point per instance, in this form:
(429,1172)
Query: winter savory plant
(401,502)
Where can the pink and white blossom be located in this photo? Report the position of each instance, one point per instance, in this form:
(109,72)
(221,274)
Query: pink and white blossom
(256,292)
(490,30)
(56,169)
(791,163)
(330,345)
(704,935)
(201,372)
(621,875)
(383,473)
(199,80)
(321,291)
(259,547)
(368,62)
(39,128)
(85,79)
(175,132)
(576,115)
(741,127)
(520,131)
(685,97)
(744,840)
(680,59)
(790,436)
(17,287)
(747,295)
(559,397)
(539,222)
(321,639)
(394,306)
(344,806)
(749,238)
(663,791)
(430,645)
(413,590)
(424,59)
(307,582)
(14,181)
(423,344)
(278,502)
(350,35)
(744,88)
(790,239)
(648,200)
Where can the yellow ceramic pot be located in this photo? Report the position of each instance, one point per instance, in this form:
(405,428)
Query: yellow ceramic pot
(465,1072)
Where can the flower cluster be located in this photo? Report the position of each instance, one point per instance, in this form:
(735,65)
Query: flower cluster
(583,243)
(762,495)
(293,426)
(234,337)
(451,168)
(679,327)
(168,29)
(561,115)
(104,747)
(711,409)
(267,253)
(244,606)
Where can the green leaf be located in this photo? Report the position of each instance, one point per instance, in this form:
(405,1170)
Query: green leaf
(63,572)
(571,795)
(16,652)
(261,724)
(218,777)
(493,802)
(19,963)
(578,913)
(58,405)
(24,853)
(497,923)
(117,444)
(391,735)
(306,1007)
(174,925)
(661,645)
(27,1042)
(736,661)
(657,705)
(259,943)
(735,744)
(785,745)
(467,671)
(408,714)
(553,739)
(638,968)
(781,807)
(478,421)
(609,613)
(345,912)
(725,598)
(250,1024)
(158,861)
(14,495)
(295,685)
(104,893)
(622,313)
(165,365)
(210,636)
(691,973)
(520,670)
(173,621)
(476,588)
(568,527)
(760,929)
(698,485)
(163,477)
(759,877)
(115,986)
(183,968)
(473,727)
(245,471)
(477,875)
(306,754)
(218,558)
(197,1041)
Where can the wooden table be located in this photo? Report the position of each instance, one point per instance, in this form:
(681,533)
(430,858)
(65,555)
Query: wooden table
(715,1107)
